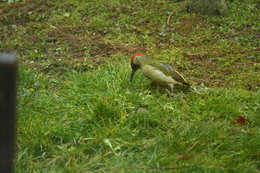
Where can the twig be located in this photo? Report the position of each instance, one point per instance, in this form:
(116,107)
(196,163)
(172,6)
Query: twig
(191,148)
(168,19)
(151,168)
(28,99)
(168,168)
(215,164)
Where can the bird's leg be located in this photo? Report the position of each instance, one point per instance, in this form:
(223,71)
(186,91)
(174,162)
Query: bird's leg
(157,87)
(170,89)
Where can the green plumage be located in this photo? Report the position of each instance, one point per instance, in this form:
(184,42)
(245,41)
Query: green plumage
(166,69)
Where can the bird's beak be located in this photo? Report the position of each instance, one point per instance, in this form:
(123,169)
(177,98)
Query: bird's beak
(132,74)
(134,68)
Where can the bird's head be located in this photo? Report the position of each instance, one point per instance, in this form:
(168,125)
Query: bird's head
(135,64)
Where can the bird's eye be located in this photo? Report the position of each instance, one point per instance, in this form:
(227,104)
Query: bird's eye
(135,66)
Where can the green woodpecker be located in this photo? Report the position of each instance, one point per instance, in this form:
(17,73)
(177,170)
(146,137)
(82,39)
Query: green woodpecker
(159,73)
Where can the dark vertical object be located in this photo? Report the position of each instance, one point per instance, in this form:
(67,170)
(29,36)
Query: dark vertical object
(8,69)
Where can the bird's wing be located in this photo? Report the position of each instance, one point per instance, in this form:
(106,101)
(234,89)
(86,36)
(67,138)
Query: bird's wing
(147,57)
(170,71)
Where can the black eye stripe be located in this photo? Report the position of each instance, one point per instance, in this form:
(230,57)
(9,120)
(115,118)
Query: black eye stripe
(135,66)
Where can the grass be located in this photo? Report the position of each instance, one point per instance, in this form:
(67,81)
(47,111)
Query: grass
(78,112)
(89,121)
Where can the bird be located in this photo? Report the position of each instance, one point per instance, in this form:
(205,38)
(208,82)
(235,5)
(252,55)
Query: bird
(160,73)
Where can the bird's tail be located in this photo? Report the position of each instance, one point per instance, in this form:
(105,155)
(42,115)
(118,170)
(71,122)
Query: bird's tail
(187,83)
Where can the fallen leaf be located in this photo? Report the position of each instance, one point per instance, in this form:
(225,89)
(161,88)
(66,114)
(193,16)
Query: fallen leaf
(241,120)
(66,14)
(107,142)
(142,111)
(183,156)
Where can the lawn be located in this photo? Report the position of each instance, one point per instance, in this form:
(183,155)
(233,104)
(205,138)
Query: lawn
(78,111)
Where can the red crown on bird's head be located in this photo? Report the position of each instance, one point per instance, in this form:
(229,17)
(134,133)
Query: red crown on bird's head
(136,55)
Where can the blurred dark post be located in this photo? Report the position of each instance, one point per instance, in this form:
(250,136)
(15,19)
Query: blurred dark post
(8,69)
